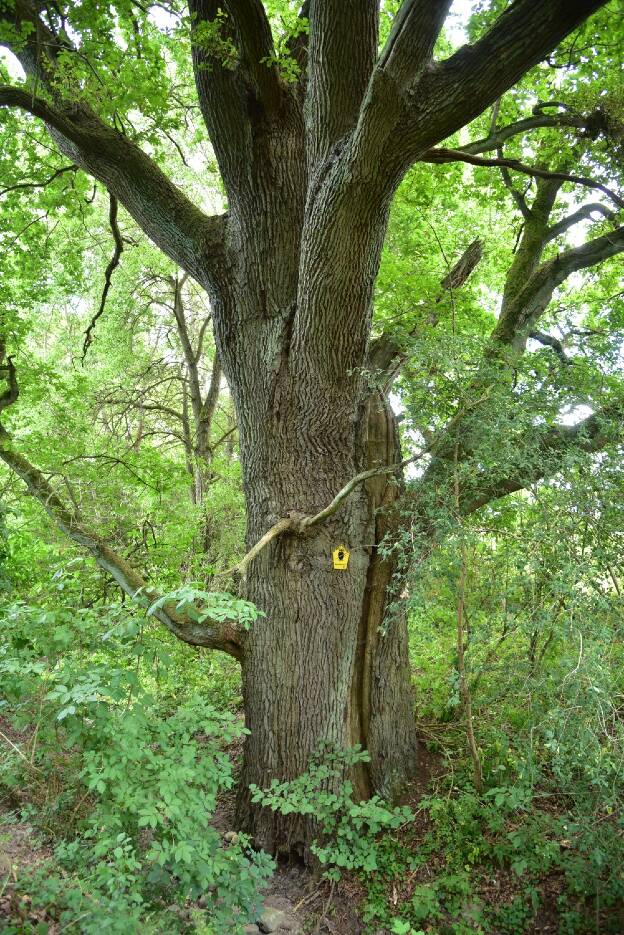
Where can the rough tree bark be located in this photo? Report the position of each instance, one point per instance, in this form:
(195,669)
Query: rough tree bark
(310,170)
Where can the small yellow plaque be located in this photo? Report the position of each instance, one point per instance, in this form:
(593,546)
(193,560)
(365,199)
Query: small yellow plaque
(341,557)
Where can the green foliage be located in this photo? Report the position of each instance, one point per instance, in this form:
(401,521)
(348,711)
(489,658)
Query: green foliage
(288,26)
(139,780)
(211,37)
(215,604)
(348,830)
(115,734)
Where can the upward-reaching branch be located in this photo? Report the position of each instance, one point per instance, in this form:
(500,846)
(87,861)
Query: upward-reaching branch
(524,309)
(342,51)
(257,53)
(410,44)
(221,93)
(476,75)
(203,408)
(400,120)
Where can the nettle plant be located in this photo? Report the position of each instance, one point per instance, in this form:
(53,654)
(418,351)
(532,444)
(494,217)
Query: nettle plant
(347,830)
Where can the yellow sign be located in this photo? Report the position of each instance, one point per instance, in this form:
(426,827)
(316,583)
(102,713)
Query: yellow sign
(341,557)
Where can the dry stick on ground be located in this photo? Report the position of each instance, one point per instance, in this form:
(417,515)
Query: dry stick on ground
(464,689)
(19,752)
(297,523)
(110,269)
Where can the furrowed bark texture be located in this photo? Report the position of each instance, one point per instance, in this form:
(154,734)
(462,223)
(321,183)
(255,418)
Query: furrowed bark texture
(309,169)
(315,669)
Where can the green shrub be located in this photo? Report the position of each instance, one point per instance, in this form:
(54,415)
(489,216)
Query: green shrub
(348,830)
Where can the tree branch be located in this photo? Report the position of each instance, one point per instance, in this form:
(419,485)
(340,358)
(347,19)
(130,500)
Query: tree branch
(515,193)
(548,340)
(441,155)
(22,185)
(409,47)
(184,233)
(521,312)
(342,52)
(193,240)
(590,435)
(210,634)
(257,52)
(582,214)
(200,339)
(206,415)
(498,137)
(221,95)
(454,92)
(531,242)
(110,269)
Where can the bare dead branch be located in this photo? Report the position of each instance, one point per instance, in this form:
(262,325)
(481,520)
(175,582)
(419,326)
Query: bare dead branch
(297,523)
(24,185)
(110,269)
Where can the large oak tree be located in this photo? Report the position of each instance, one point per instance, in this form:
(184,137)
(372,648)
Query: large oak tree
(312,141)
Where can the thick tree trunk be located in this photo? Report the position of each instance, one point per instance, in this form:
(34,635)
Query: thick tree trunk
(318,668)
(292,320)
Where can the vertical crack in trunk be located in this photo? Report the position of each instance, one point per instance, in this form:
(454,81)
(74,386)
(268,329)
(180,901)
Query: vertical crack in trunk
(382,448)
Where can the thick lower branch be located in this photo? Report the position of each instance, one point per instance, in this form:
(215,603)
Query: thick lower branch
(211,634)
(593,434)
(185,234)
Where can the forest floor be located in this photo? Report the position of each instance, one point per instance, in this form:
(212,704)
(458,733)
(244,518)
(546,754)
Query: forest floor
(296,899)
(304,903)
